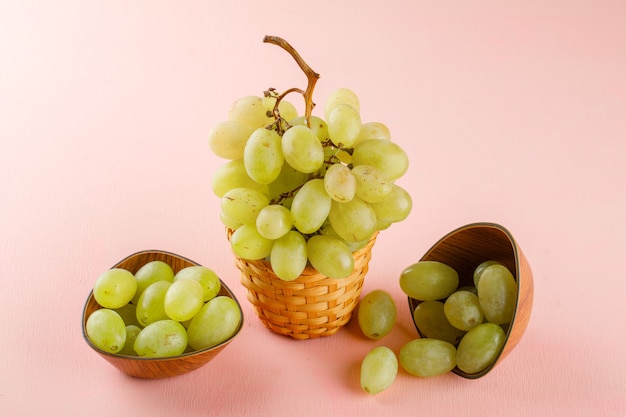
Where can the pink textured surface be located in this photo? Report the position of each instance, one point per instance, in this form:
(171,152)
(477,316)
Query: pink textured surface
(510,113)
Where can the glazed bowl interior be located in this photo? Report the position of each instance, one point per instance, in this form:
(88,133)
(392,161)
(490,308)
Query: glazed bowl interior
(464,249)
(152,368)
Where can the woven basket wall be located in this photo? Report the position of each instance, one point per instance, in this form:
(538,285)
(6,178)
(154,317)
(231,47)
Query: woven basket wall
(310,306)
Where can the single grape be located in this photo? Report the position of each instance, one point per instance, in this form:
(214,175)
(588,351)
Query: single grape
(378,370)
(387,157)
(106,329)
(227,139)
(206,277)
(344,125)
(150,273)
(497,294)
(480,268)
(377,314)
(330,256)
(427,357)
(341,96)
(150,306)
(274,221)
(263,156)
(354,221)
(430,319)
(286,109)
(318,126)
(374,130)
(328,230)
(429,280)
(302,149)
(161,339)
(247,243)
(395,207)
(228,222)
(371,185)
(128,312)
(183,299)
(242,205)
(289,256)
(216,321)
(310,206)
(462,310)
(115,288)
(340,183)
(289,179)
(131,335)
(250,111)
(233,175)
(479,348)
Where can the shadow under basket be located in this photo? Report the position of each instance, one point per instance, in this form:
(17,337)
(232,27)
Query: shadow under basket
(310,306)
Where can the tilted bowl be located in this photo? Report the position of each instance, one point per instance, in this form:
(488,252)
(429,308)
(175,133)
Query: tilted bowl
(152,368)
(464,249)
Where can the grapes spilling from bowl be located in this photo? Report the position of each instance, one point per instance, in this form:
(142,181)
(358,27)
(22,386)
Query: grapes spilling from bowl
(157,313)
(306,190)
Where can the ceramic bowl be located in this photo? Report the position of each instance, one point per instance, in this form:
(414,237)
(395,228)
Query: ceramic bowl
(152,368)
(468,246)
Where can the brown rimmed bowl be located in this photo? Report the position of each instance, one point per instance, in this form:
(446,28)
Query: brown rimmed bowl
(464,249)
(152,368)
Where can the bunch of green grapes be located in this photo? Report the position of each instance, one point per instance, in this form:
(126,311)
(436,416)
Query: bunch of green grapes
(156,313)
(306,190)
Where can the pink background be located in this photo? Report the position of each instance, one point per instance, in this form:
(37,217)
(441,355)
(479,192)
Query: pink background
(511,112)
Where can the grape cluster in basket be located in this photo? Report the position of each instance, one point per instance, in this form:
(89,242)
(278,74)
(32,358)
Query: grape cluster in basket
(305,190)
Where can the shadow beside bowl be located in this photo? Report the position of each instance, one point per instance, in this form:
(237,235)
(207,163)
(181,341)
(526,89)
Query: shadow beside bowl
(152,368)
(464,249)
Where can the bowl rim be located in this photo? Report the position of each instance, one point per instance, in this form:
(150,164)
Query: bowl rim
(167,358)
(516,253)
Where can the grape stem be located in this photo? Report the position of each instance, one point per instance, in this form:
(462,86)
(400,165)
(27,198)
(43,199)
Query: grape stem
(311,76)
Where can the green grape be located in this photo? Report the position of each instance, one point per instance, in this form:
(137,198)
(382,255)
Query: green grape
(378,370)
(469,288)
(289,256)
(432,322)
(286,109)
(344,125)
(427,357)
(150,306)
(395,207)
(216,321)
(206,277)
(328,230)
(242,205)
(479,348)
(183,299)
(330,256)
(374,130)
(377,314)
(497,294)
(227,139)
(150,273)
(340,183)
(479,270)
(263,156)
(318,126)
(289,179)
(131,335)
(354,221)
(250,111)
(115,288)
(247,243)
(341,96)
(302,149)
(371,185)
(128,312)
(106,329)
(310,206)
(429,280)
(274,221)
(233,175)
(228,222)
(387,157)
(462,310)
(161,339)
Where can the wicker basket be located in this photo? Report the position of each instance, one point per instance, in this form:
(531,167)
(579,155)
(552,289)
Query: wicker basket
(310,306)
